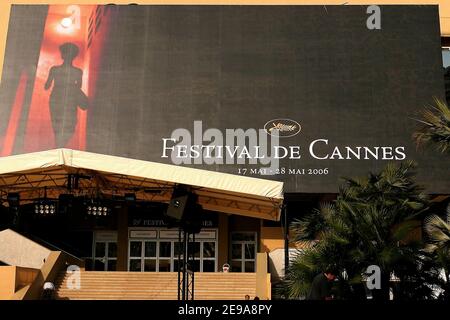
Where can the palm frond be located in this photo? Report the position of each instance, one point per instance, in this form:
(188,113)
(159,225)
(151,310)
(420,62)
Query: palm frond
(370,222)
(438,231)
(434,127)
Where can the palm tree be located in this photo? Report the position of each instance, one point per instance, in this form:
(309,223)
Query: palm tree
(369,223)
(435,127)
(438,232)
(435,130)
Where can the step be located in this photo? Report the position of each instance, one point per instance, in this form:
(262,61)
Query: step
(133,273)
(156,297)
(156,276)
(153,281)
(110,290)
(158,280)
(122,297)
(156,287)
(146,298)
(150,282)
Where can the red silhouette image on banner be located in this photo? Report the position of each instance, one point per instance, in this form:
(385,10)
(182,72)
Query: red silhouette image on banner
(56,117)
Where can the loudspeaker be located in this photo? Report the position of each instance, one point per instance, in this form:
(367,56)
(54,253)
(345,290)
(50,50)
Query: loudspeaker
(192,222)
(184,211)
(181,200)
(65,203)
(177,207)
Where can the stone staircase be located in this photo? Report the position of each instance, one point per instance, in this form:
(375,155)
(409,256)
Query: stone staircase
(100,285)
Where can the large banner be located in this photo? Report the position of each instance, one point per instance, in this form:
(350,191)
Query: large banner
(301,94)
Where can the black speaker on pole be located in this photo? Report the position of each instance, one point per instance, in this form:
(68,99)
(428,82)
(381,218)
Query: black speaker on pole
(184,211)
(180,201)
(192,222)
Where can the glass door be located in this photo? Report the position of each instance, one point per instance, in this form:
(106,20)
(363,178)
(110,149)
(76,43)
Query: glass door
(142,255)
(161,255)
(165,255)
(105,256)
(135,256)
(204,252)
(243,251)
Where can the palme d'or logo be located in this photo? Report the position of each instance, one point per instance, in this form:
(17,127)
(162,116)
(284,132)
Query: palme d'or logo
(283,128)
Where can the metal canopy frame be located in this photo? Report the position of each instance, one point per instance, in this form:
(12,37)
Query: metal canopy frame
(63,179)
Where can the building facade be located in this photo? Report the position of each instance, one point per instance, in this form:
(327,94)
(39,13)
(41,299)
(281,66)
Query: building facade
(299,95)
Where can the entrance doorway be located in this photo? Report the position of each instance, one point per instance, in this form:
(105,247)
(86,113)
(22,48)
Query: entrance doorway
(243,251)
(160,254)
(142,255)
(105,251)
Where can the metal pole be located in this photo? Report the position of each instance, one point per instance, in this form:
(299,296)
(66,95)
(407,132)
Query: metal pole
(286,241)
(179,261)
(193,264)
(185,262)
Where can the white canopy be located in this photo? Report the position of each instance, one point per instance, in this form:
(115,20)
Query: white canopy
(31,173)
